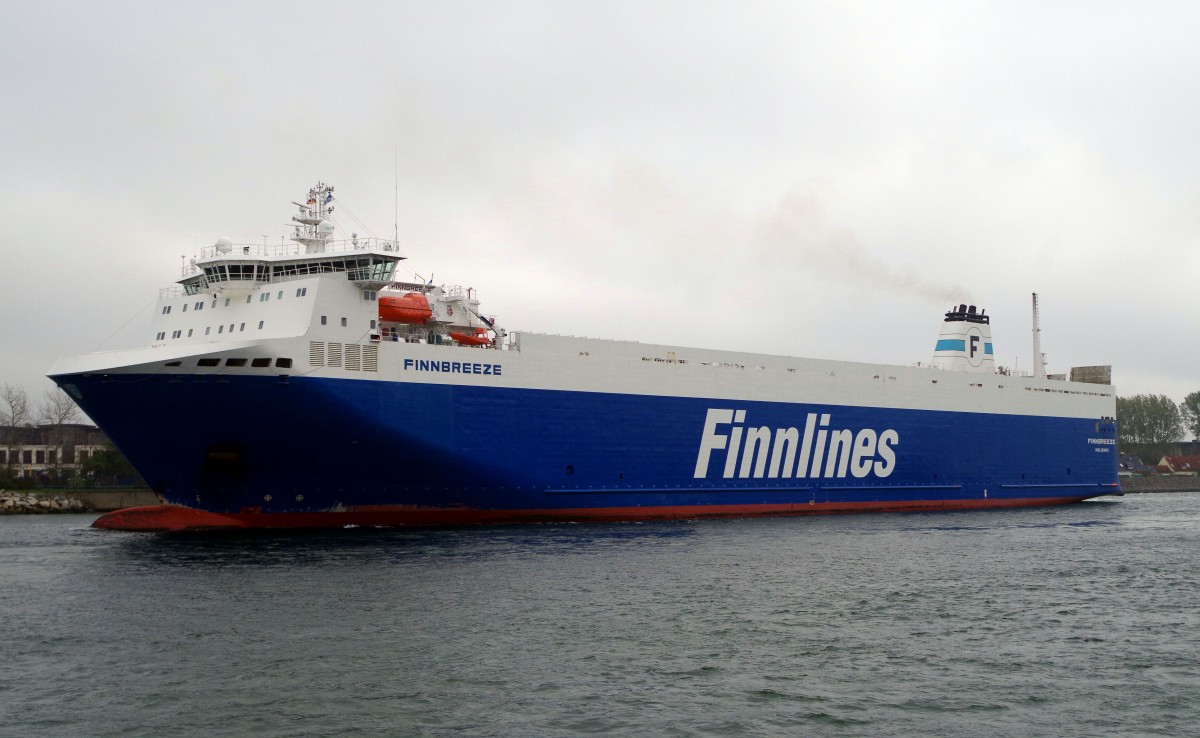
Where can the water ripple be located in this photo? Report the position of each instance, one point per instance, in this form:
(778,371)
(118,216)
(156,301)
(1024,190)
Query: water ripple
(1073,621)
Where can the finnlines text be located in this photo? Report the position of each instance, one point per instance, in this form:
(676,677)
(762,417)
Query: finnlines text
(451,367)
(822,452)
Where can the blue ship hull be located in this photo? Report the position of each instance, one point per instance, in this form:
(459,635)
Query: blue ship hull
(260,451)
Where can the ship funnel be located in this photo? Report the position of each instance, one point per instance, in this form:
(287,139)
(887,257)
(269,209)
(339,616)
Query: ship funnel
(965,343)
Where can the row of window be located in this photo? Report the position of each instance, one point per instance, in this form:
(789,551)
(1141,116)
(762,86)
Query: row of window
(259,363)
(263,297)
(366,268)
(38,456)
(162,335)
(1067,392)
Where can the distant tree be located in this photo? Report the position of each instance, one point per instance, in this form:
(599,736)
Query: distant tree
(56,410)
(15,413)
(1147,425)
(1189,409)
(14,407)
(107,466)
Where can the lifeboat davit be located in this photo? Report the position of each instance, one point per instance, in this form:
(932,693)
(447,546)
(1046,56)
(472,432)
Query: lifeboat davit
(410,308)
(479,339)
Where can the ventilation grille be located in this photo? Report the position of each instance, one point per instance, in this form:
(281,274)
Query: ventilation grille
(353,357)
(350,356)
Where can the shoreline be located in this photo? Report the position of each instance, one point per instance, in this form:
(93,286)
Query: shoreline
(37,502)
(1159,484)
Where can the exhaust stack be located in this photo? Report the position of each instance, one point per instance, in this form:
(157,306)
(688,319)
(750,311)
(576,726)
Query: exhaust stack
(965,343)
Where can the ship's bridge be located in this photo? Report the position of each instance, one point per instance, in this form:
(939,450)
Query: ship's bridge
(369,262)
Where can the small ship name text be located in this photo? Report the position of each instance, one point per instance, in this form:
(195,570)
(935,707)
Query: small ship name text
(451,367)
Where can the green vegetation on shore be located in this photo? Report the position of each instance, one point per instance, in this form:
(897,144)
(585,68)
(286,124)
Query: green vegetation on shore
(1150,426)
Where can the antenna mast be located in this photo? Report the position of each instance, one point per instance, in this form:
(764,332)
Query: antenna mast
(396,199)
(1039,359)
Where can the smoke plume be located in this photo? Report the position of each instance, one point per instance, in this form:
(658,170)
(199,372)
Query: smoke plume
(798,229)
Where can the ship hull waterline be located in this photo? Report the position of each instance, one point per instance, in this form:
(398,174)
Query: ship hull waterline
(174,518)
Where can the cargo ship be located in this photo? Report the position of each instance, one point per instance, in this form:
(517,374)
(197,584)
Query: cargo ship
(304,385)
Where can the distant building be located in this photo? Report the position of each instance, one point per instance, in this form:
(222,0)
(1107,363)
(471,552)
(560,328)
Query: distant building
(1184,466)
(1130,465)
(48,450)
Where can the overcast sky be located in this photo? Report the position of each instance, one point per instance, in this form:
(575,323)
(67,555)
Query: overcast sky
(807,178)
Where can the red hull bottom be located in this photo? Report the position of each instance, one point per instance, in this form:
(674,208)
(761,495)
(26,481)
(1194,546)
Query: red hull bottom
(170,518)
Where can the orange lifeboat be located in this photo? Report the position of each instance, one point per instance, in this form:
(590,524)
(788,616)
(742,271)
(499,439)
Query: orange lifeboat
(409,308)
(479,339)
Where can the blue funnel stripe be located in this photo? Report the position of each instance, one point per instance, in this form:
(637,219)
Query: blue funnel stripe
(958,344)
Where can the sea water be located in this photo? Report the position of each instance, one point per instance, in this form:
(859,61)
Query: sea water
(1080,620)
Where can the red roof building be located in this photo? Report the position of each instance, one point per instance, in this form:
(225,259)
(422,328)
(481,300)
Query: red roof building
(1181,465)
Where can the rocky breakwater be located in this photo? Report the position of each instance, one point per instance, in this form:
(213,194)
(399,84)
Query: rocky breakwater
(25,503)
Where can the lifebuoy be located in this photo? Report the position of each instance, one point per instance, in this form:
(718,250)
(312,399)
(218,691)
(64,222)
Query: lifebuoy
(449,310)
